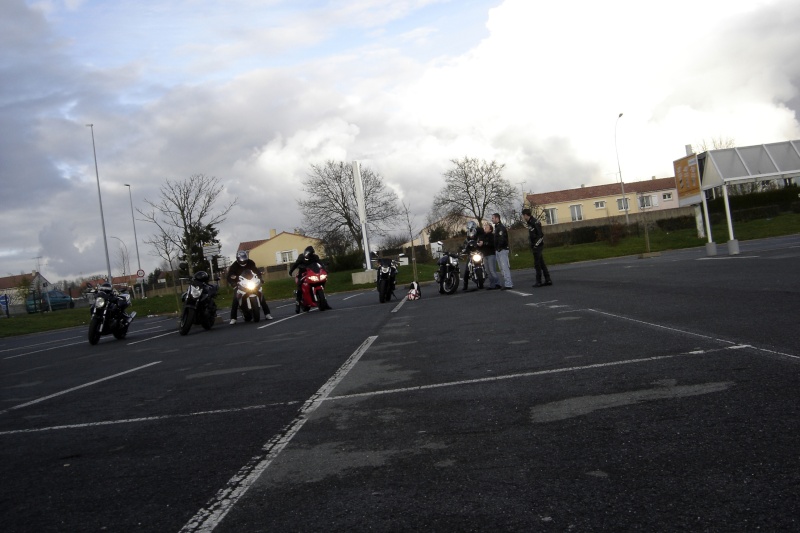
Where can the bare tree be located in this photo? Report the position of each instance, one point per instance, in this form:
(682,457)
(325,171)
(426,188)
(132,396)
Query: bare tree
(184,207)
(472,188)
(330,202)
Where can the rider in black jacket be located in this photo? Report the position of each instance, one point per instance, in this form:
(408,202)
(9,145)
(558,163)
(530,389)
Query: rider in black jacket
(243,262)
(301,264)
(470,245)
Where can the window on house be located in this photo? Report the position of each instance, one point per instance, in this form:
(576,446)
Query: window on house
(645,201)
(666,196)
(622,204)
(550,216)
(287,256)
(576,212)
(600,205)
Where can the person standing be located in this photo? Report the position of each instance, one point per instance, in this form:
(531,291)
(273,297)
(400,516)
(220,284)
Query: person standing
(537,244)
(486,246)
(501,252)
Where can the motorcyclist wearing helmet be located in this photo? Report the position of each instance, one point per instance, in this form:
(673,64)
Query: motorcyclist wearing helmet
(243,262)
(308,257)
(470,245)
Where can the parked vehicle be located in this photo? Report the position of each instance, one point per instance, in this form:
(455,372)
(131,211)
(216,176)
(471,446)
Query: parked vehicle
(108,313)
(44,301)
(385,278)
(312,288)
(199,306)
(448,275)
(475,269)
(248,292)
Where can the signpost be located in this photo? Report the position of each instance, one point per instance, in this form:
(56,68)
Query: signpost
(4,304)
(210,251)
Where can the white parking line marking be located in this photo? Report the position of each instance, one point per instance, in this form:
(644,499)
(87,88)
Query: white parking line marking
(42,350)
(77,388)
(210,516)
(149,418)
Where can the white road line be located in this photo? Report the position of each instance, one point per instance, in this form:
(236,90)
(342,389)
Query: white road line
(151,338)
(43,350)
(273,322)
(37,344)
(78,387)
(353,296)
(149,418)
(398,306)
(210,516)
(683,331)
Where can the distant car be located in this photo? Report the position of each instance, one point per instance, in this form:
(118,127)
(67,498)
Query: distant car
(58,300)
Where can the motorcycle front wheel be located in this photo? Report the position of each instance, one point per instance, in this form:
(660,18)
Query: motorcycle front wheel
(94,330)
(209,318)
(450,284)
(382,290)
(322,303)
(479,277)
(187,319)
(120,332)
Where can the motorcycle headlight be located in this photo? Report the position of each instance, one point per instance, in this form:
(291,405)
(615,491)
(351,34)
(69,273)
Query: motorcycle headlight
(323,277)
(249,285)
(477,258)
(196,292)
(99,302)
(384,270)
(454,261)
(313,279)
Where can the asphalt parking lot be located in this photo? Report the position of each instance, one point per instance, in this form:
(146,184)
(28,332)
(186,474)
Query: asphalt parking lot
(632,395)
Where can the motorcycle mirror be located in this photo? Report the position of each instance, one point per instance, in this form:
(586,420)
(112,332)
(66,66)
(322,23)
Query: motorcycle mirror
(89,286)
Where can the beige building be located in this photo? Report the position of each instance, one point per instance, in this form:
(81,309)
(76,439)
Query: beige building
(280,250)
(603,201)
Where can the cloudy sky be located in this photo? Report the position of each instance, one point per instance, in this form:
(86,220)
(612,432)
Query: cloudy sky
(255,91)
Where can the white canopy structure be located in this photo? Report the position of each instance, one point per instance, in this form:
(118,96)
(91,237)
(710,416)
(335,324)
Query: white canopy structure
(761,162)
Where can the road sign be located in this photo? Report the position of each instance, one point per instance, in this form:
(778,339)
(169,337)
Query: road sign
(140,273)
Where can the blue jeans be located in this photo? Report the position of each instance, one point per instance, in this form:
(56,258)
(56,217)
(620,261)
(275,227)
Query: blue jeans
(504,267)
(491,271)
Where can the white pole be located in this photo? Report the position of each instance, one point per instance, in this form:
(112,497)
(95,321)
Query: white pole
(102,219)
(362,212)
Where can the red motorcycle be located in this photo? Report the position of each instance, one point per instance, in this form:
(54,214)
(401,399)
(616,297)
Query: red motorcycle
(312,288)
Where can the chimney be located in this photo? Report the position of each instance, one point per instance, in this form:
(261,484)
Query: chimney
(689,150)
(272,233)
(581,185)
(653,178)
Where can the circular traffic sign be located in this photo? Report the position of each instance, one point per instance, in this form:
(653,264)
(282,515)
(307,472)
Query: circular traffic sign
(140,273)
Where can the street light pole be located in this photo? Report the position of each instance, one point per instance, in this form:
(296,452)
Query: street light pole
(102,219)
(619,169)
(136,241)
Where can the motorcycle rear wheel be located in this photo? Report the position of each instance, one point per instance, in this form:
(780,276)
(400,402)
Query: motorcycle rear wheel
(187,319)
(209,319)
(121,332)
(94,330)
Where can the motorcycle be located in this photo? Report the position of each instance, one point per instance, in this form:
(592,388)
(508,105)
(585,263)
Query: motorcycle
(312,288)
(248,292)
(475,269)
(108,313)
(386,277)
(199,306)
(448,275)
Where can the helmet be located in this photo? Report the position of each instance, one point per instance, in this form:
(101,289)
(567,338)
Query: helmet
(106,287)
(308,252)
(472,229)
(241,257)
(201,276)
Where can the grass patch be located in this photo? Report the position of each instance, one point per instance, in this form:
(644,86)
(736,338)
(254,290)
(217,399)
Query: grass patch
(783,224)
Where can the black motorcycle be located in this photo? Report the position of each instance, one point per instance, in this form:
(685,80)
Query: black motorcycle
(448,275)
(108,313)
(475,269)
(199,306)
(386,277)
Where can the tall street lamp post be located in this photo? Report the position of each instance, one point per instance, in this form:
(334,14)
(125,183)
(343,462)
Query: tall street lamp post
(619,169)
(102,219)
(136,242)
